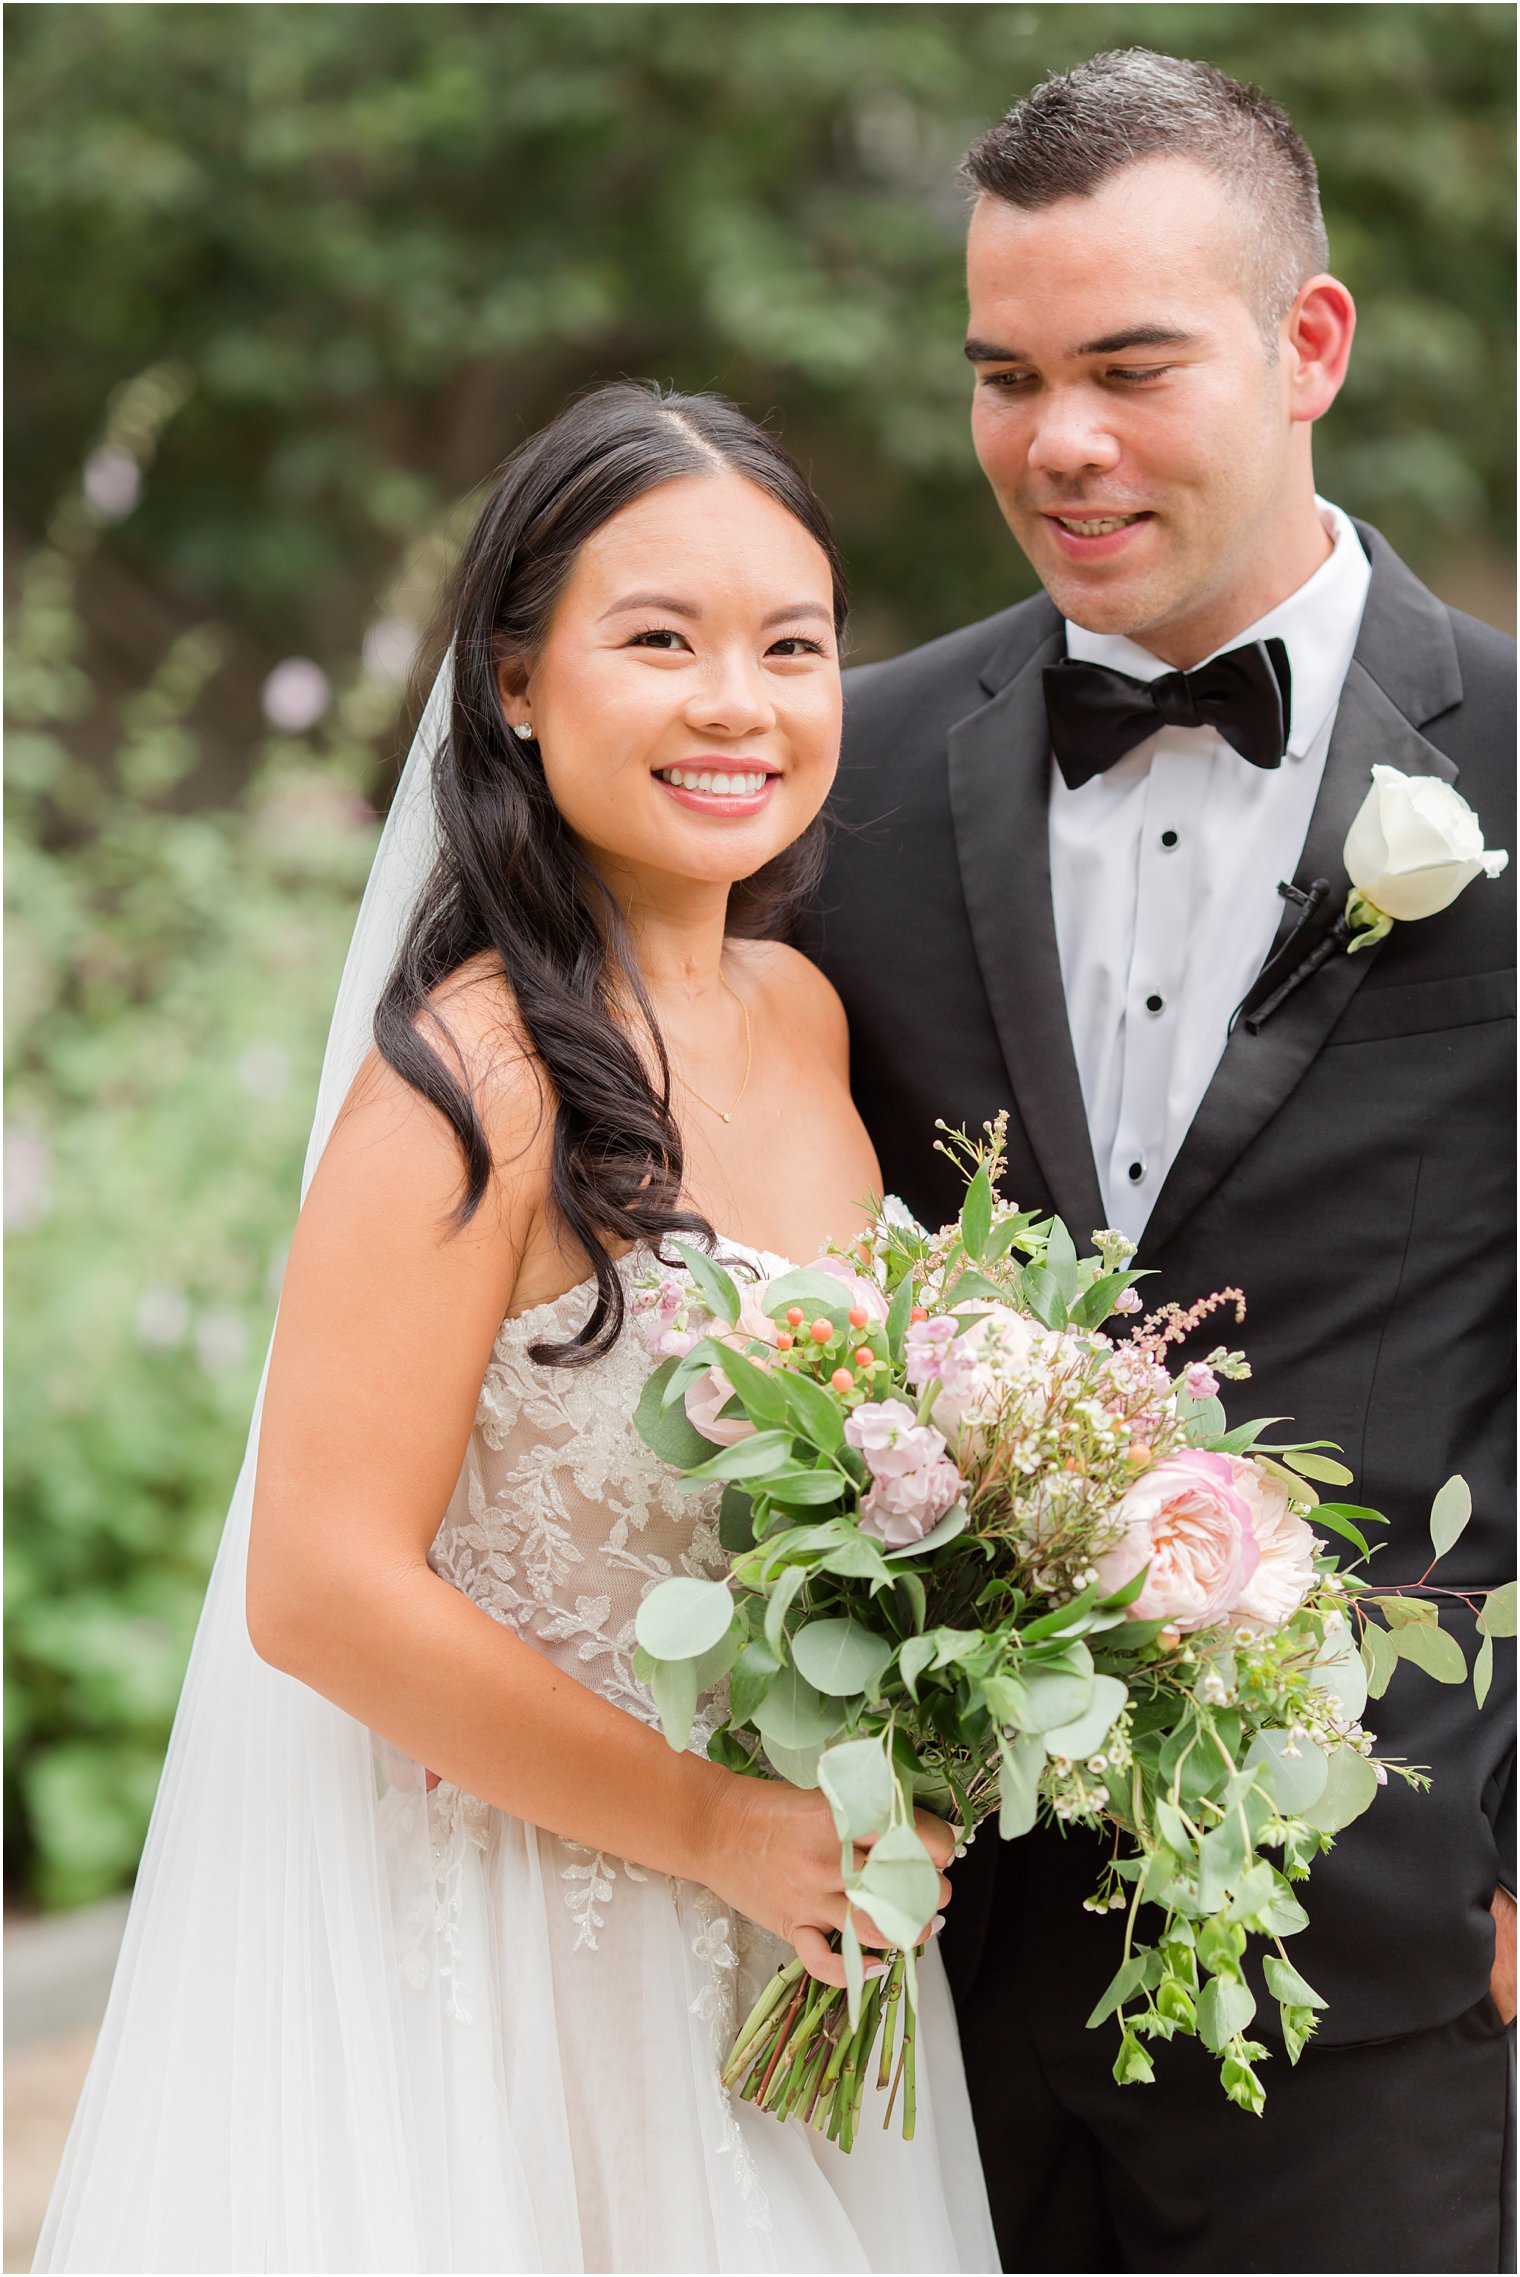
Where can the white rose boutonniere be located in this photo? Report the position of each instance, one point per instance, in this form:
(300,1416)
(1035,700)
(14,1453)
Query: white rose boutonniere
(1414,846)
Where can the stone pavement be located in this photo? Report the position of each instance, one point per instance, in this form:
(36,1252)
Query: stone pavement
(57,1974)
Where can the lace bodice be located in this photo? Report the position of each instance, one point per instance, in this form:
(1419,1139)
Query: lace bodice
(563,1518)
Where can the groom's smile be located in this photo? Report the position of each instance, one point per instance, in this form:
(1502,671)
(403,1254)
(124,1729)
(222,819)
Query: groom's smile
(1134,419)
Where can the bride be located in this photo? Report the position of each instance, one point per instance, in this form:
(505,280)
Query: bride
(376,2016)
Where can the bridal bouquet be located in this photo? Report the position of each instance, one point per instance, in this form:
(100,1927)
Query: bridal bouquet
(995,1551)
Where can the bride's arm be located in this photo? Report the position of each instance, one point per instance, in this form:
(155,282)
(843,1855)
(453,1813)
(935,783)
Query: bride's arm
(386,1324)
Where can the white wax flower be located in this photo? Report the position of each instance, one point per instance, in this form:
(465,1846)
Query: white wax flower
(1415,844)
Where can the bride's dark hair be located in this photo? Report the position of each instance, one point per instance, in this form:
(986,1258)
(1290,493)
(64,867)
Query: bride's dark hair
(509,877)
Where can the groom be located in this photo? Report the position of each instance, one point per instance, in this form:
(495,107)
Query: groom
(1050,889)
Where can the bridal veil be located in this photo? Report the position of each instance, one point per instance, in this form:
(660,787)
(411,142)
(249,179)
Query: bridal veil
(268,2090)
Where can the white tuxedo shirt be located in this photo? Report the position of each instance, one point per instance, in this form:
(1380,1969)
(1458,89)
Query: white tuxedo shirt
(1164,875)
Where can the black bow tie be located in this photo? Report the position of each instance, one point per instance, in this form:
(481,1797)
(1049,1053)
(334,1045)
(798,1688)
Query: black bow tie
(1096,714)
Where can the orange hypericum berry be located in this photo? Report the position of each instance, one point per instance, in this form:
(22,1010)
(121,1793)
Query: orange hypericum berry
(858,1316)
(842,1380)
(1171,1638)
(821,1331)
(794,1316)
(918,1313)
(784,1342)
(865,1357)
(1139,1450)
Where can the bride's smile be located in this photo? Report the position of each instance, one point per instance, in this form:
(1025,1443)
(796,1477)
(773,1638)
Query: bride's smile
(685,700)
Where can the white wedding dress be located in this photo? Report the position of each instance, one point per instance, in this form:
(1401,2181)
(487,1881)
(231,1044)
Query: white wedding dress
(593,2003)
(357,2026)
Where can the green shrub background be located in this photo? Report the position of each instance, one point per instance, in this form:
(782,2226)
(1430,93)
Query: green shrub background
(311,272)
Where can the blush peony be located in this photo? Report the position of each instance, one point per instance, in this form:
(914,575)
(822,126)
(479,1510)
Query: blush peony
(1285,1574)
(1185,1520)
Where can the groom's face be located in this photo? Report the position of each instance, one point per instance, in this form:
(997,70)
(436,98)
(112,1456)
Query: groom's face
(1129,415)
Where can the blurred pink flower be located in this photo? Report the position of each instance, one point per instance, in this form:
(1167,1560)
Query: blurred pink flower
(1199,1381)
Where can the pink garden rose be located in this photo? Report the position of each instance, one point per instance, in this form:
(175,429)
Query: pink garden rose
(1285,1574)
(712,1390)
(1187,1521)
(913,1481)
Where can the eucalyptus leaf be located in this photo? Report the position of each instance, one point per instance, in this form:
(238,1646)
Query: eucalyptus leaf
(1483,1669)
(1054,1697)
(1498,1614)
(857,1558)
(793,1714)
(798,1766)
(668,1430)
(716,1663)
(674,1685)
(1449,1514)
(913,1658)
(1338,1670)
(1400,1612)
(754,1672)
(898,1886)
(1020,1762)
(1349,1789)
(1433,1648)
(840,1657)
(1317,1466)
(1086,1734)
(1380,1656)
(857,1779)
(683,1617)
(1296,1771)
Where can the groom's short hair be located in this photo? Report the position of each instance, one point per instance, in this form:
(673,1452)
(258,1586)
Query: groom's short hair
(1074,131)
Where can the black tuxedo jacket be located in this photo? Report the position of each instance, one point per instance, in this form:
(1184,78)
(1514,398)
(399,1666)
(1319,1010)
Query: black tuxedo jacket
(1351,1167)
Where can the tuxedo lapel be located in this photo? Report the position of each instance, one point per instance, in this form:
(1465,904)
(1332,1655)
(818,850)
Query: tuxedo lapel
(1259,1069)
(999,768)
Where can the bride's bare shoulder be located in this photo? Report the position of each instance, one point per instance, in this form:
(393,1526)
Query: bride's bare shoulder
(469,1029)
(790,986)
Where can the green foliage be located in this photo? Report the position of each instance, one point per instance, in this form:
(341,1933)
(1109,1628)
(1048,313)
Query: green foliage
(384,242)
(169,980)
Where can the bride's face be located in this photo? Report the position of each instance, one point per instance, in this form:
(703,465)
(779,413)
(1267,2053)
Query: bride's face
(686,698)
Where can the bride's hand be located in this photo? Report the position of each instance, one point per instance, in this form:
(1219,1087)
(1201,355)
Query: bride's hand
(773,1855)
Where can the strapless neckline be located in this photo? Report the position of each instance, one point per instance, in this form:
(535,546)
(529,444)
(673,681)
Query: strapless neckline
(769,1261)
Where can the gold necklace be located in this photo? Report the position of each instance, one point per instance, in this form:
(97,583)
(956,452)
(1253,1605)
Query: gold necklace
(749,1055)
